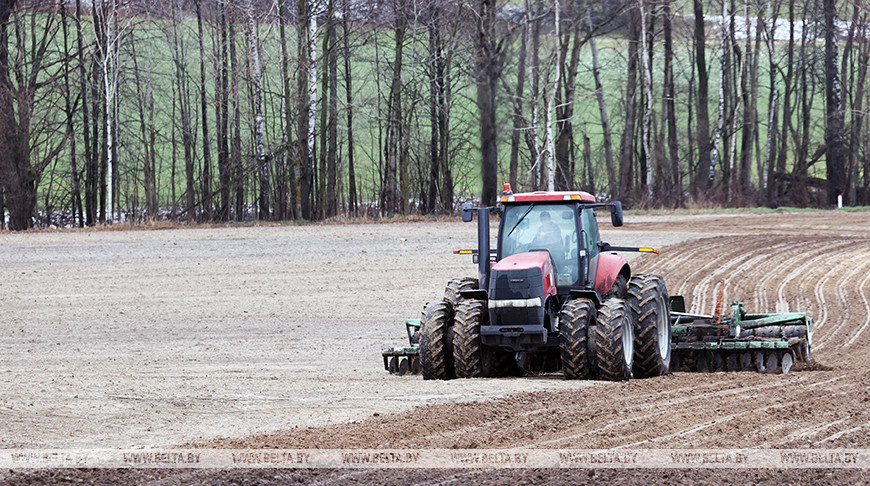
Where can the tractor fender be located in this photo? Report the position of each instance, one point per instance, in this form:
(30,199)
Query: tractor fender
(610,266)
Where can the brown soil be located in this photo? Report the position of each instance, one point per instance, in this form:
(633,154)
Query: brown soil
(772,262)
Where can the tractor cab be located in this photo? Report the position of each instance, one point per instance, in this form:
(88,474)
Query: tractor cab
(556,225)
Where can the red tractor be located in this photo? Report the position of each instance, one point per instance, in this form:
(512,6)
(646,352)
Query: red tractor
(551,296)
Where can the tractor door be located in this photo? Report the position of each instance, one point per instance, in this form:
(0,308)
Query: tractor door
(589,248)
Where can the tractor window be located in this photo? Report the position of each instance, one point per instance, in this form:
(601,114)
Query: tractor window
(549,227)
(590,227)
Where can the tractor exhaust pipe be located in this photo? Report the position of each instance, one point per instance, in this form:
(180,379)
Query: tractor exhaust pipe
(482,240)
(483,247)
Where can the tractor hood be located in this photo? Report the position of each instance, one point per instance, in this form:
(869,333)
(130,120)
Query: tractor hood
(519,286)
(523,276)
(524,261)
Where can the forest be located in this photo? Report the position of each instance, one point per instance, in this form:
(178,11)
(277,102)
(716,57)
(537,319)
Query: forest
(130,111)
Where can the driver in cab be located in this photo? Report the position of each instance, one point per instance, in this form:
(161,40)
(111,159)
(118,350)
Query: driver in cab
(548,235)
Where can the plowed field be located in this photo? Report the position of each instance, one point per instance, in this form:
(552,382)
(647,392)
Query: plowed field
(269,337)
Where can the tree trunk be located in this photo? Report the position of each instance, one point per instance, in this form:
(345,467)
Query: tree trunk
(565,156)
(17,177)
(786,133)
(605,121)
(626,151)
(648,96)
(110,65)
(352,202)
(236,142)
(78,213)
(436,77)
(487,74)
(670,108)
(304,20)
(773,107)
(834,117)
(857,115)
(391,199)
(332,125)
(259,123)
(207,203)
(518,95)
(702,177)
(222,113)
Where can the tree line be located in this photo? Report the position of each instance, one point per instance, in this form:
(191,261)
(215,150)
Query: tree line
(134,110)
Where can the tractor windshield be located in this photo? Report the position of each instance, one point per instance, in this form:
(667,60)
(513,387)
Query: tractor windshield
(540,226)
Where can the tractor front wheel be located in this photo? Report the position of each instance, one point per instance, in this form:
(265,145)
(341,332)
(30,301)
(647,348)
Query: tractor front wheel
(614,340)
(574,322)
(471,357)
(436,342)
(648,302)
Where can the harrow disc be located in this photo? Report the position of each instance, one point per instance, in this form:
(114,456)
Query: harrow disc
(745,361)
(758,358)
(787,361)
(771,362)
(731,363)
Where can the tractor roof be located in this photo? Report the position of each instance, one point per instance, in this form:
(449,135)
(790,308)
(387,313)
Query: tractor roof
(544,196)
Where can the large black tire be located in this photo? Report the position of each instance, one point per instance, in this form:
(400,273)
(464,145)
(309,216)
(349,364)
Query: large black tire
(648,302)
(614,340)
(619,288)
(470,357)
(575,319)
(436,342)
(452,293)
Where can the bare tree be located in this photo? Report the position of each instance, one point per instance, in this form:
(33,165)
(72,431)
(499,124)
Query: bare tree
(488,65)
(259,122)
(626,157)
(702,178)
(834,117)
(21,78)
(203,101)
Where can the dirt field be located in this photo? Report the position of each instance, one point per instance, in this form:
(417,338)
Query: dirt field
(270,337)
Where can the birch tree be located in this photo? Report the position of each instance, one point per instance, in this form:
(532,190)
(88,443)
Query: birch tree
(259,123)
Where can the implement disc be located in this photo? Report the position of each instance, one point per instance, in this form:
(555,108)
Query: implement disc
(731,362)
(745,361)
(771,362)
(787,361)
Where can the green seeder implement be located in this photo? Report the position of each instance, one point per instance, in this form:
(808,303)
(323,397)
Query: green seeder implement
(402,360)
(767,343)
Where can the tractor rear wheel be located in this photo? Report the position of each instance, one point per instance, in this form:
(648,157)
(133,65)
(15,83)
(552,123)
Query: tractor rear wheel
(648,303)
(436,342)
(455,286)
(614,340)
(574,322)
(472,359)
(619,288)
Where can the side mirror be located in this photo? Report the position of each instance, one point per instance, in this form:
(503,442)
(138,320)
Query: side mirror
(616,213)
(467,213)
